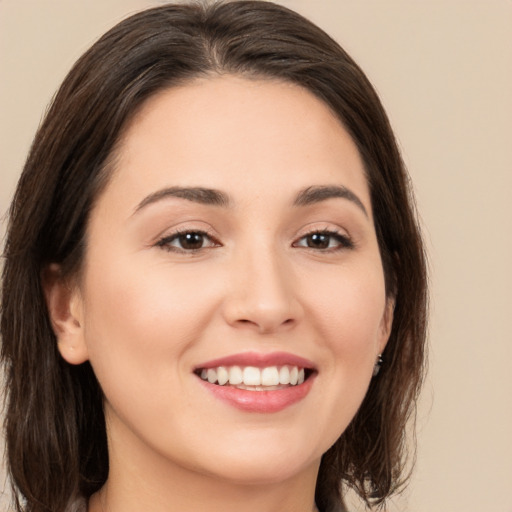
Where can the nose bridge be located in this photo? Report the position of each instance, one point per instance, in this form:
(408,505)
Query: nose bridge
(262,288)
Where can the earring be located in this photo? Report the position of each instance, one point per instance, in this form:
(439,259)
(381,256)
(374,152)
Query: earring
(378,364)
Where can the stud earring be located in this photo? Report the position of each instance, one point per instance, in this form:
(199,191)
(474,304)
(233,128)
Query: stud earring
(378,364)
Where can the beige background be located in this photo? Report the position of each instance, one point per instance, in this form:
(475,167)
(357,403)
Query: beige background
(443,69)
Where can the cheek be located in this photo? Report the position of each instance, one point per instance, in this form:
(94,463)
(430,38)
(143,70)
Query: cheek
(349,308)
(348,311)
(140,317)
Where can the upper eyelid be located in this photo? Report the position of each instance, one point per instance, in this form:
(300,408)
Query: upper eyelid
(179,232)
(329,232)
(164,242)
(209,233)
(323,227)
(345,239)
(187,226)
(205,228)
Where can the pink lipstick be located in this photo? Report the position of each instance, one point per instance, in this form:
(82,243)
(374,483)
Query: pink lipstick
(256,382)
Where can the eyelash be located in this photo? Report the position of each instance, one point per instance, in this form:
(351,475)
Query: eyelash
(343,242)
(166,241)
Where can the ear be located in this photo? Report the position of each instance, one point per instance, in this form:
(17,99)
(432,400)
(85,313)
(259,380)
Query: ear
(386,323)
(65,308)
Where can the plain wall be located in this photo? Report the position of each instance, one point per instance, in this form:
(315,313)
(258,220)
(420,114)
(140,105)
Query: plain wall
(444,72)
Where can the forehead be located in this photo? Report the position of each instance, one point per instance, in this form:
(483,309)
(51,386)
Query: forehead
(226,131)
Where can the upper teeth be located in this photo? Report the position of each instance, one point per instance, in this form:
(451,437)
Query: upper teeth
(253,376)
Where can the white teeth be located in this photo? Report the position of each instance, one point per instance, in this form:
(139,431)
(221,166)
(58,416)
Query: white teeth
(270,376)
(235,375)
(294,375)
(212,376)
(284,375)
(222,375)
(251,377)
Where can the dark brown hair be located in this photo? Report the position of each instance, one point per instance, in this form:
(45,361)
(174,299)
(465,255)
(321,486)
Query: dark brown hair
(55,428)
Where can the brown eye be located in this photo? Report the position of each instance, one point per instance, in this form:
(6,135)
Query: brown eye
(325,241)
(191,241)
(187,241)
(318,240)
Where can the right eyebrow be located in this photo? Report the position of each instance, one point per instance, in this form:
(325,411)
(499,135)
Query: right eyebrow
(200,195)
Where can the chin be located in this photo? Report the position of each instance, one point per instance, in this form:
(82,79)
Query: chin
(264,460)
(267,471)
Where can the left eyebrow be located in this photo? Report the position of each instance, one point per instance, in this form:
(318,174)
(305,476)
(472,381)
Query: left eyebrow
(316,194)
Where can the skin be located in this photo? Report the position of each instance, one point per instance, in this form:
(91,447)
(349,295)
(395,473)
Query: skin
(146,314)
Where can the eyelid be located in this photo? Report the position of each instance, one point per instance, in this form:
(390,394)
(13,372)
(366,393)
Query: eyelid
(345,240)
(187,225)
(164,241)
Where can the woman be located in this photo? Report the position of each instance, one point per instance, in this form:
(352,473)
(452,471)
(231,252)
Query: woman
(211,252)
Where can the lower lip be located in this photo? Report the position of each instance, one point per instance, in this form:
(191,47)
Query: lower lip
(260,401)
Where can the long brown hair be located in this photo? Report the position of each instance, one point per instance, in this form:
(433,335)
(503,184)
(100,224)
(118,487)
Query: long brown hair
(55,428)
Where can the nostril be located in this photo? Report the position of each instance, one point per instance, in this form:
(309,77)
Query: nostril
(265,325)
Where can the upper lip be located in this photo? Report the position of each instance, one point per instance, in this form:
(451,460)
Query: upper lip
(258,360)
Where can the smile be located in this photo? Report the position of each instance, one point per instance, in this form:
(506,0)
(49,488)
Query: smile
(253,378)
(258,383)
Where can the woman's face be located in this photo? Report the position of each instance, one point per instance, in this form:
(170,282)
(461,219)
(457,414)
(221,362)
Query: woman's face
(234,243)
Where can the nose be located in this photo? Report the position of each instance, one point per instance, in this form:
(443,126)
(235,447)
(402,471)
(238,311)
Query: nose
(262,293)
